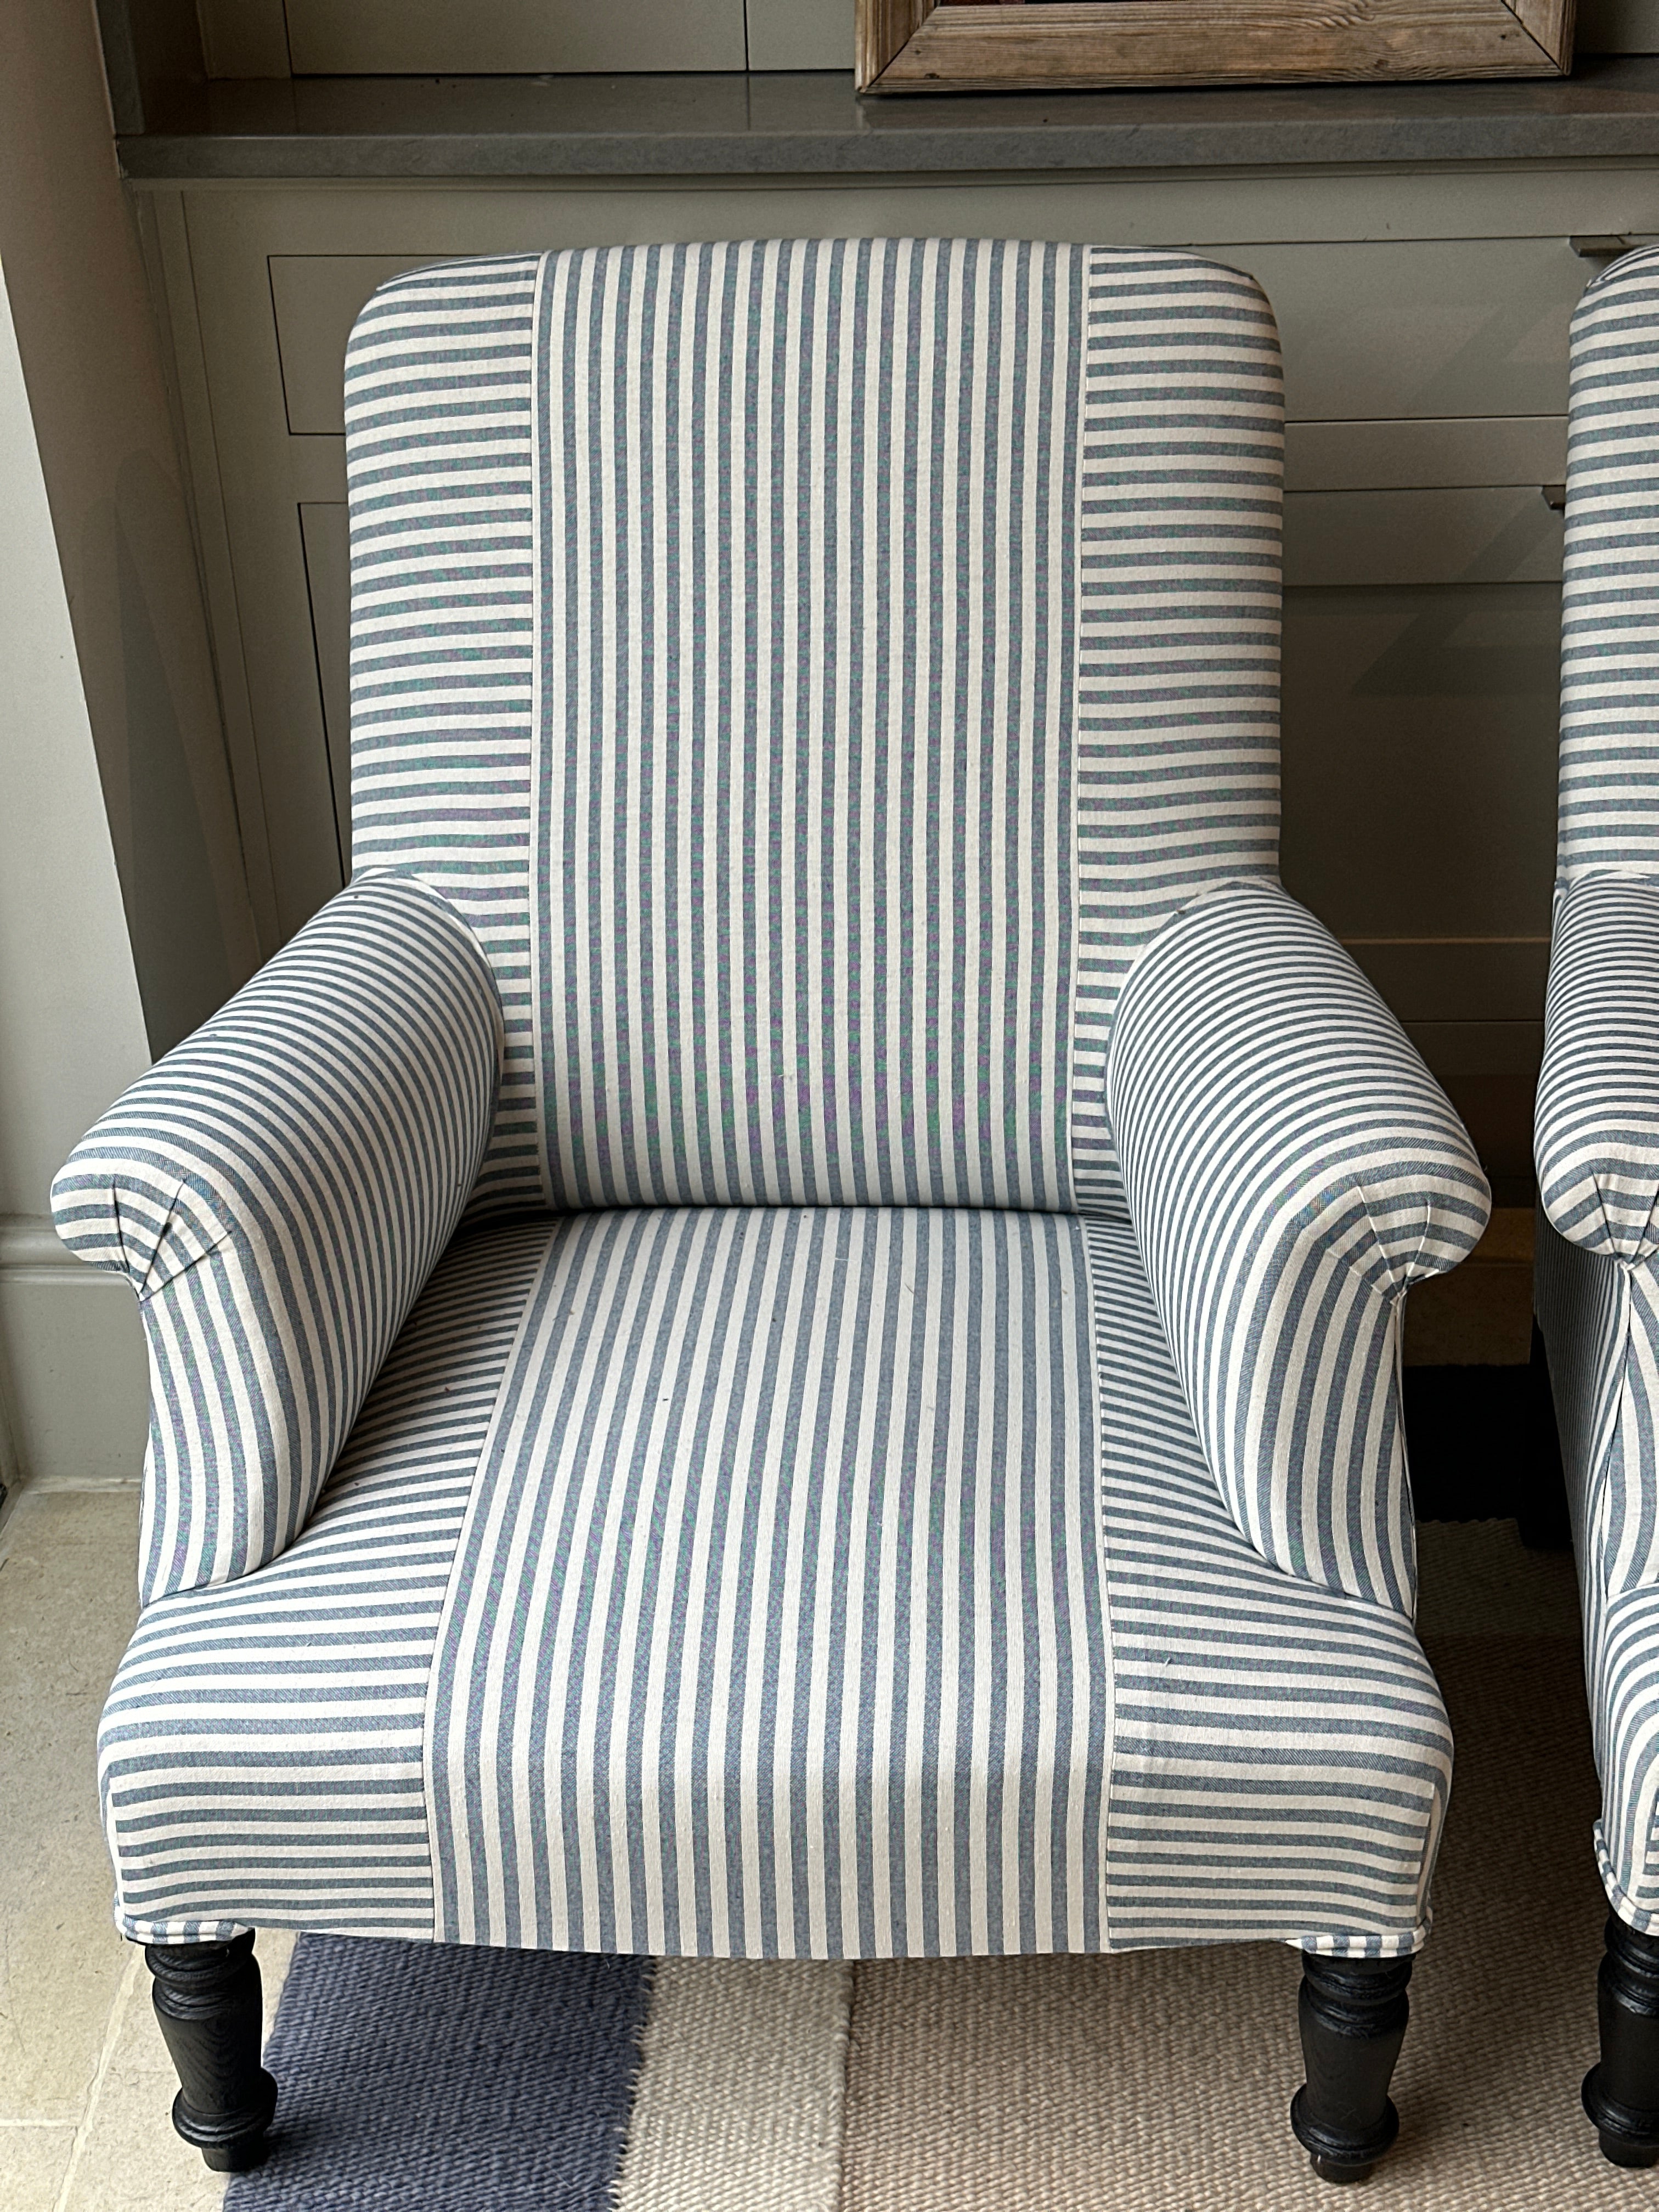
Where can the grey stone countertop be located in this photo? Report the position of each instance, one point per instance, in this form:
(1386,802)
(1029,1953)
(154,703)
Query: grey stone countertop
(814,124)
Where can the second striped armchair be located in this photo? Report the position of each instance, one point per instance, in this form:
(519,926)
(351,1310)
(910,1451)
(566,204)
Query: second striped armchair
(1597,1144)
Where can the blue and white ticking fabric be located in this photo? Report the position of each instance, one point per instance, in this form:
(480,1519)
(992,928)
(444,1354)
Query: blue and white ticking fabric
(820,1582)
(1609,811)
(1598,1089)
(1597,1129)
(277,1191)
(1288,1156)
(823,1504)
(881,639)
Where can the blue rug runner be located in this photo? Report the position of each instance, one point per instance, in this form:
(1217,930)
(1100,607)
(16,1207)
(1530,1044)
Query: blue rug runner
(412,2075)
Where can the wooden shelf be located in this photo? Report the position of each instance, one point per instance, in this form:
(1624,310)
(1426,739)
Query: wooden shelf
(814,124)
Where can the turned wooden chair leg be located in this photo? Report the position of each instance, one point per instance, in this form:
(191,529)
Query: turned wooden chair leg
(208,2003)
(1354,2014)
(1621,2094)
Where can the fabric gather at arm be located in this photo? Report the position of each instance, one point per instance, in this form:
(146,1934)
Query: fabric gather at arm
(1596,1133)
(277,1190)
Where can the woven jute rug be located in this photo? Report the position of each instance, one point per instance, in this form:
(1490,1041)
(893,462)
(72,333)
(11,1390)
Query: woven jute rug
(456,2080)
(1159,2083)
(1149,2082)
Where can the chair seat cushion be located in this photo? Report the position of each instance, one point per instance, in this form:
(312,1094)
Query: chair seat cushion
(820,1582)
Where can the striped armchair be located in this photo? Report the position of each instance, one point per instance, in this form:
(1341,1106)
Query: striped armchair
(1597,1143)
(778,1334)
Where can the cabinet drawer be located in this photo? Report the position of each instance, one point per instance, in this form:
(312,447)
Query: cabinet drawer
(1429,454)
(1387,328)
(1504,534)
(1391,330)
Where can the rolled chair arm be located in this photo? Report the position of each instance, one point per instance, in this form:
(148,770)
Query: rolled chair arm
(1595,1137)
(277,1191)
(1291,1167)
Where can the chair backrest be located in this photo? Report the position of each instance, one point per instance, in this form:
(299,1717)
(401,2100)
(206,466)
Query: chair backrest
(814,667)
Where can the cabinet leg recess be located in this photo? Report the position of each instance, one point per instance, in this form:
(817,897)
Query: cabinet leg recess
(1354,2014)
(208,2000)
(1621,2094)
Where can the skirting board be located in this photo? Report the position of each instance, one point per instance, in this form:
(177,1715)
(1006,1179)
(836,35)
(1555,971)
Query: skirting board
(76,1381)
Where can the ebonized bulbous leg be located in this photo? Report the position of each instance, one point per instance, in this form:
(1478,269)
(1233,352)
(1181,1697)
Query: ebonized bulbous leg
(1354,2014)
(208,2000)
(1621,2094)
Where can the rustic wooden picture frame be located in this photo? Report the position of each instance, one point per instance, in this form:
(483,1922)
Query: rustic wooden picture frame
(998,46)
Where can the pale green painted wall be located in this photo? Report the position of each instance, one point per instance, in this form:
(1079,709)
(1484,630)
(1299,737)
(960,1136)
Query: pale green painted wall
(71,1024)
(91,355)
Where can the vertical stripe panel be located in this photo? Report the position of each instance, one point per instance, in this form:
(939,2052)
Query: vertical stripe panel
(801,810)
(738,2106)
(726,1510)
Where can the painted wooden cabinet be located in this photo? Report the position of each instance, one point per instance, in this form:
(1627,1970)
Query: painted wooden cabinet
(405,38)
(1425,324)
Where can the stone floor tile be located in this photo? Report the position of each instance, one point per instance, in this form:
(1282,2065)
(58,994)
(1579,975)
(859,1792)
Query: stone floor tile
(68,1602)
(129,2159)
(32,2160)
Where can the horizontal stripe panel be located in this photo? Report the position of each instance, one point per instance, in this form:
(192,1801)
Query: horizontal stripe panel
(440,458)
(1282,1758)
(1596,1135)
(260,1754)
(1609,791)
(738,2106)
(1178,628)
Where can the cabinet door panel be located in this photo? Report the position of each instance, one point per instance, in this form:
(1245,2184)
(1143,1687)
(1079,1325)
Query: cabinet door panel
(325,534)
(317,298)
(420,38)
(1440,981)
(800,34)
(1420,759)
